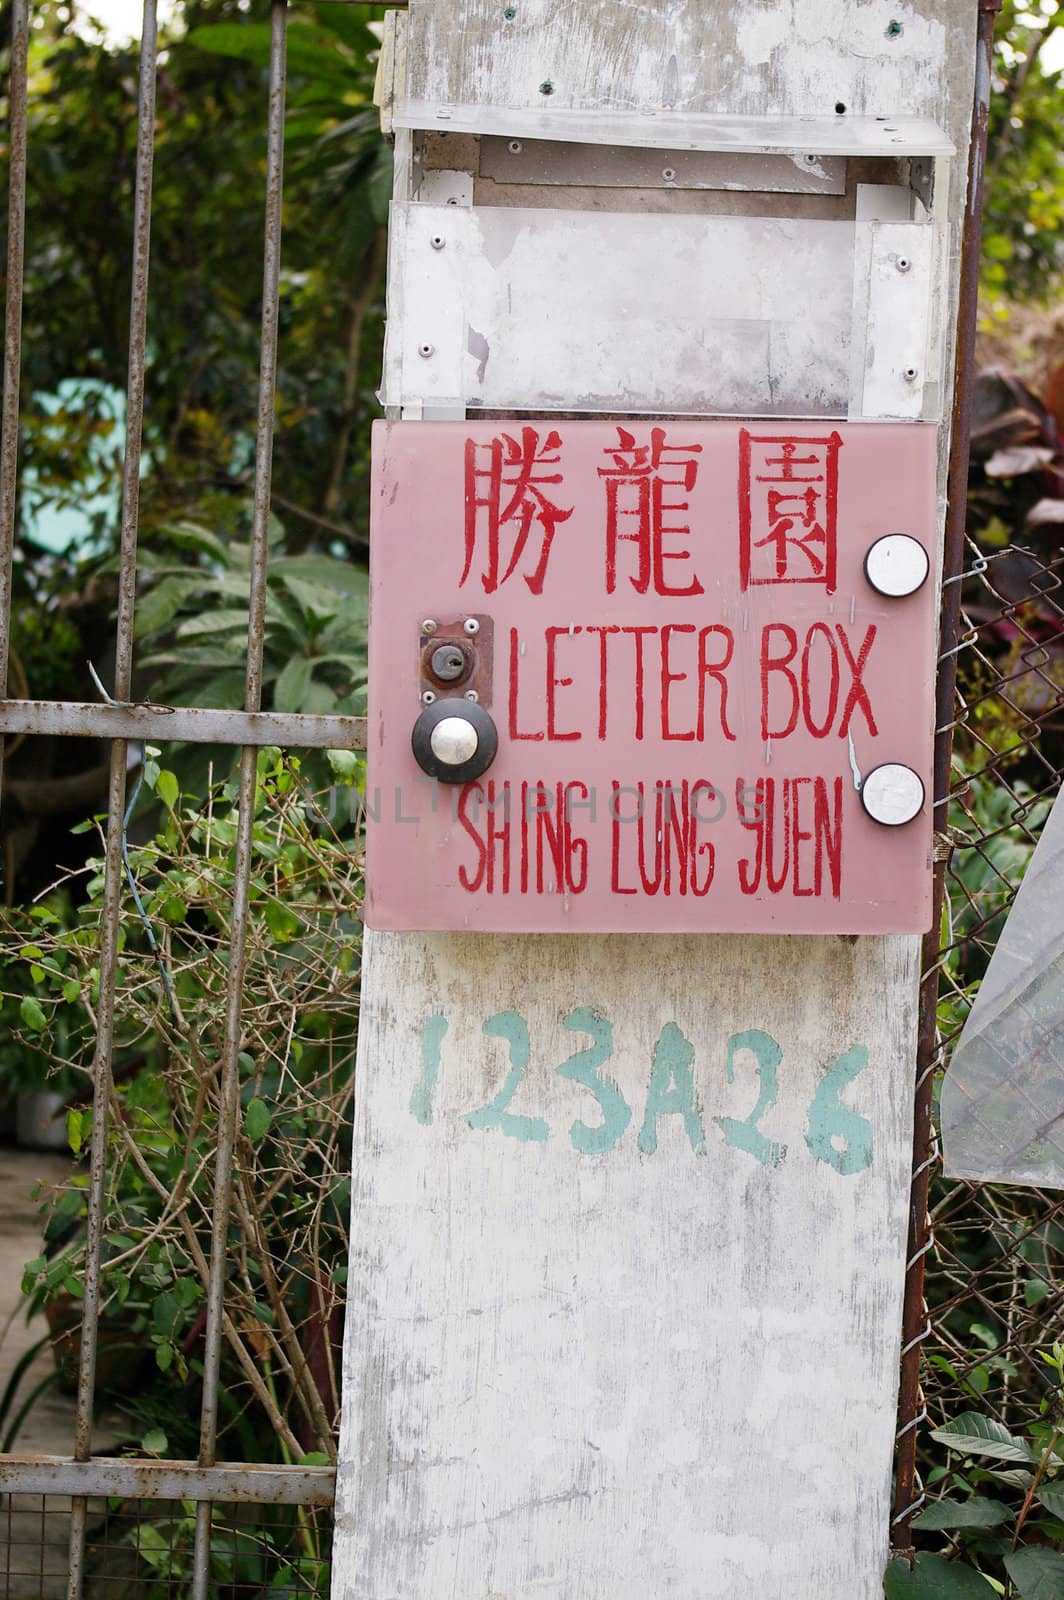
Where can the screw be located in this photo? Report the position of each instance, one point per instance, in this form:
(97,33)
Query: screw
(471,625)
(428,626)
(909,374)
(426,350)
(668,173)
(894,30)
(810,161)
(437,241)
(903,263)
(515,147)
(510,13)
(428,698)
(546,87)
(471,694)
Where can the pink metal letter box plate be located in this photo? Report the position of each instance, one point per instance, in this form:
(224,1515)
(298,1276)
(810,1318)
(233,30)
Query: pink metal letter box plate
(651,677)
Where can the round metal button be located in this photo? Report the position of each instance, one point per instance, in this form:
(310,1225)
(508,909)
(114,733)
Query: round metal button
(897,565)
(892,794)
(454,740)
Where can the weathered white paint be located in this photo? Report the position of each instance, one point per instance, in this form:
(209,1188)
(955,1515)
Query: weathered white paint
(544,310)
(741,1394)
(894,137)
(627,1375)
(794,58)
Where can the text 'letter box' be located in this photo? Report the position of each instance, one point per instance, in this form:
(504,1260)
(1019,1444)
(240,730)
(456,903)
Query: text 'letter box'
(652,676)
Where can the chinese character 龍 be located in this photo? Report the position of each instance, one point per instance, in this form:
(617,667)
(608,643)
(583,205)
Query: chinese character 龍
(646,484)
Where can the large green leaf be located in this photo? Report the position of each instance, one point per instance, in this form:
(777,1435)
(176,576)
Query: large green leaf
(974,1513)
(158,606)
(312,52)
(345,22)
(1037,1574)
(191,536)
(1015,1477)
(290,691)
(225,620)
(975,1435)
(934,1578)
(338,577)
(1051,1496)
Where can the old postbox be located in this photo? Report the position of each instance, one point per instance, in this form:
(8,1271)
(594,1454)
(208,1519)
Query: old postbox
(676,674)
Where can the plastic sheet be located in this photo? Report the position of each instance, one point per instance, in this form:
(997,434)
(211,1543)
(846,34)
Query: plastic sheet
(1002,1111)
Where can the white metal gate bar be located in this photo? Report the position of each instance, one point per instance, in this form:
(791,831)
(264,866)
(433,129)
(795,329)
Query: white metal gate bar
(191,724)
(122,720)
(169,1480)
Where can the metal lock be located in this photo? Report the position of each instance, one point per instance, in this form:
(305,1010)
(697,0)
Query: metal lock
(455,655)
(449,663)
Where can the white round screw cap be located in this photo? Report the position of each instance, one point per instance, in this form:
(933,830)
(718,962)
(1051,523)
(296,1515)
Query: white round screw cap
(454,741)
(893,794)
(897,565)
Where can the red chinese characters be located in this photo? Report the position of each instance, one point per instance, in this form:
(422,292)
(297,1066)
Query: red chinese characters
(505,499)
(639,503)
(788,509)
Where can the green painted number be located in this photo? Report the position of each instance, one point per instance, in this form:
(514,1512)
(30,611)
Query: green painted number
(672,1091)
(432,1036)
(527,1130)
(583,1067)
(745,1134)
(836,1134)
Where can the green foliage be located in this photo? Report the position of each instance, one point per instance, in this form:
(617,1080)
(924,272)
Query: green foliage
(197,465)
(1009,1541)
(44,1023)
(1022,254)
(195,616)
(207,243)
(280,1379)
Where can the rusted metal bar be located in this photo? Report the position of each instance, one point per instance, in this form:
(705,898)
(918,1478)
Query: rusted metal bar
(16,240)
(915,1322)
(190,724)
(112,894)
(168,1480)
(228,1088)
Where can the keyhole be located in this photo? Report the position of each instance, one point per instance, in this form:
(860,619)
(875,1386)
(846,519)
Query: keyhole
(448,664)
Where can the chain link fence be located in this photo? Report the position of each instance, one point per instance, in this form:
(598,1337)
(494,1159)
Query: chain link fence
(990,1255)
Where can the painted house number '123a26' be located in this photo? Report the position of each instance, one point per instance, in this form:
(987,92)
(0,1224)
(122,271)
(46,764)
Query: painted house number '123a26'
(834,1133)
